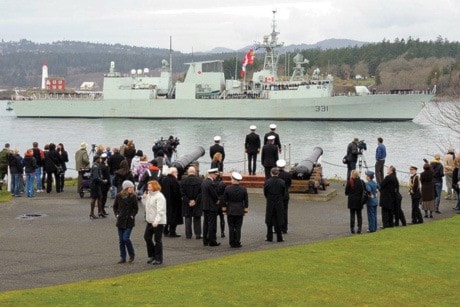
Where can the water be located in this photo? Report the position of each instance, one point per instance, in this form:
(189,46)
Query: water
(406,142)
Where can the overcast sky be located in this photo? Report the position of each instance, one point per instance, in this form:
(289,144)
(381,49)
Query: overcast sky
(203,25)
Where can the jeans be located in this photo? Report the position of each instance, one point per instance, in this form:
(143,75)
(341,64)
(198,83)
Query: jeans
(113,188)
(38,177)
(15,183)
(125,243)
(437,190)
(372,218)
(350,166)
(30,179)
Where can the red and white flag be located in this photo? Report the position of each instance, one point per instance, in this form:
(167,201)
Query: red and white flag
(248,59)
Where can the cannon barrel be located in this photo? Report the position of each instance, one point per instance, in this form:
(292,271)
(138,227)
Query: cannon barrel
(183,161)
(304,168)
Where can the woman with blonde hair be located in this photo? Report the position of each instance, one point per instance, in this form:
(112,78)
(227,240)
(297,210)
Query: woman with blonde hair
(217,162)
(354,190)
(155,215)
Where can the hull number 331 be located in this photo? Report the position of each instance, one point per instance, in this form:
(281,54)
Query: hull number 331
(321,108)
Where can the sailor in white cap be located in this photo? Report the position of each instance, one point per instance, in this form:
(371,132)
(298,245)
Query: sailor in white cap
(215,149)
(277,137)
(286,177)
(269,155)
(252,148)
(235,205)
(210,202)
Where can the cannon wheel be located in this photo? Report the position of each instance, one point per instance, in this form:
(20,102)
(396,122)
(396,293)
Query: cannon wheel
(82,194)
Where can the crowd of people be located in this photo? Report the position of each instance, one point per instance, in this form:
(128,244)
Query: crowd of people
(425,189)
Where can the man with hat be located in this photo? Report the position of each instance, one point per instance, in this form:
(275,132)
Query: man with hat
(81,163)
(274,192)
(217,148)
(286,177)
(277,137)
(269,155)
(210,202)
(415,194)
(252,148)
(235,205)
(372,202)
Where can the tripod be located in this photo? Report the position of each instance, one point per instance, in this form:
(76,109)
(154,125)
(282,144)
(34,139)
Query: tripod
(361,161)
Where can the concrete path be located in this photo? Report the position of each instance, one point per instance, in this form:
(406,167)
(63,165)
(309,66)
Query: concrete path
(64,245)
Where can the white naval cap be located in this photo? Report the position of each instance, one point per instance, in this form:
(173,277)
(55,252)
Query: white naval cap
(281,163)
(213,171)
(271,137)
(216,138)
(252,127)
(237,176)
(272,126)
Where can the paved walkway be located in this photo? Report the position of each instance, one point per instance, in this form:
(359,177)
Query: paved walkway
(66,246)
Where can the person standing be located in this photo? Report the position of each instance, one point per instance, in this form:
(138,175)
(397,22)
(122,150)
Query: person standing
(39,156)
(235,205)
(171,190)
(380,156)
(30,165)
(16,170)
(192,209)
(274,192)
(372,201)
(277,141)
(269,155)
(438,173)
(95,188)
(122,174)
(217,148)
(155,216)
(114,162)
(252,148)
(4,161)
(286,177)
(428,193)
(105,184)
(64,159)
(53,167)
(448,162)
(210,201)
(81,163)
(352,156)
(125,209)
(456,181)
(415,195)
(398,213)
(354,190)
(217,162)
(388,197)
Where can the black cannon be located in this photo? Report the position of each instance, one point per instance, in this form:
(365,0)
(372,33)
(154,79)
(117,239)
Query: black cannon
(182,162)
(304,168)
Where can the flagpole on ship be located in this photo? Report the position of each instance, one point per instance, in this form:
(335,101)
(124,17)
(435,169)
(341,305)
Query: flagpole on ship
(170,65)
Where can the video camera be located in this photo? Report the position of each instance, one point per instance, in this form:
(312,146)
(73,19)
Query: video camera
(362,145)
(93,148)
(167,146)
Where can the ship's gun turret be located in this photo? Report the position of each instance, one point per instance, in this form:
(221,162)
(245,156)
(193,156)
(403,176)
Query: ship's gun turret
(182,162)
(304,168)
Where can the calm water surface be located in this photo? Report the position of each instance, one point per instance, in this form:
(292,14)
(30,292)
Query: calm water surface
(406,142)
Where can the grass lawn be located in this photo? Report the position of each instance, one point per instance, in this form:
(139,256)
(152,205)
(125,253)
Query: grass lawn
(413,266)
(5,196)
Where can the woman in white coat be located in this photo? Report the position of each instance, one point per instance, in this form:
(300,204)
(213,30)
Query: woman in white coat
(155,215)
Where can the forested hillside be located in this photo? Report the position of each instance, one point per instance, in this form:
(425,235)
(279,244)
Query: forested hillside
(385,65)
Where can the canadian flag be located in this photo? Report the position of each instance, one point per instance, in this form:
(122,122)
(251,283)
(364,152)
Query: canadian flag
(247,59)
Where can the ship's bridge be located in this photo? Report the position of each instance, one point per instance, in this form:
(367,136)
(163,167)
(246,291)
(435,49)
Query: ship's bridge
(202,77)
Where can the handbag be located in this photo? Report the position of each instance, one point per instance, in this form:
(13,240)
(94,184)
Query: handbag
(364,196)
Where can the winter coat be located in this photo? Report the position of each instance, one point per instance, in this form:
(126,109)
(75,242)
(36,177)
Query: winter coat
(354,191)
(274,192)
(52,161)
(155,208)
(235,200)
(426,178)
(191,190)
(125,209)
(81,159)
(30,164)
(269,155)
(209,196)
(171,190)
(15,163)
(438,171)
(388,188)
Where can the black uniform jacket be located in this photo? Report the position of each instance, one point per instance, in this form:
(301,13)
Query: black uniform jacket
(388,188)
(216,148)
(252,143)
(235,200)
(274,191)
(209,195)
(269,155)
(190,188)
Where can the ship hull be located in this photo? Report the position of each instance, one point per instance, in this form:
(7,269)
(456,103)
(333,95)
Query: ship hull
(351,108)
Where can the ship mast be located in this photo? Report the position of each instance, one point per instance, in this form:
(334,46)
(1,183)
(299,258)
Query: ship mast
(269,43)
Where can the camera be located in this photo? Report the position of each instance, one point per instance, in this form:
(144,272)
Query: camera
(362,145)
(93,147)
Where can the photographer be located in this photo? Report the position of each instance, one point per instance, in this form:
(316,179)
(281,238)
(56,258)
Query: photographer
(352,156)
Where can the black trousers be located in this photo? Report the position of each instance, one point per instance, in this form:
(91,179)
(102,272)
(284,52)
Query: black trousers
(416,213)
(274,223)
(252,163)
(196,226)
(267,171)
(234,229)
(209,227)
(387,217)
(154,250)
(359,215)
(284,227)
(170,229)
(222,221)
(49,181)
(399,215)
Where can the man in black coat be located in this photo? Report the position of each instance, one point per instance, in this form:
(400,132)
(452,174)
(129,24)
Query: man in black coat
(252,148)
(388,188)
(269,155)
(235,205)
(274,192)
(171,190)
(352,156)
(191,203)
(52,167)
(276,135)
(286,177)
(113,162)
(217,148)
(210,202)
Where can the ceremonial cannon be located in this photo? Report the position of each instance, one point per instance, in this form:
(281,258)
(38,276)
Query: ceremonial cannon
(307,175)
(184,161)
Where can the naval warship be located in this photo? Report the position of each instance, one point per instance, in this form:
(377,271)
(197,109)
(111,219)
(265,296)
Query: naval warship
(205,94)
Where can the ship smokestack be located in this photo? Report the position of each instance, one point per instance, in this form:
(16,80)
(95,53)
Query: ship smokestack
(44,75)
